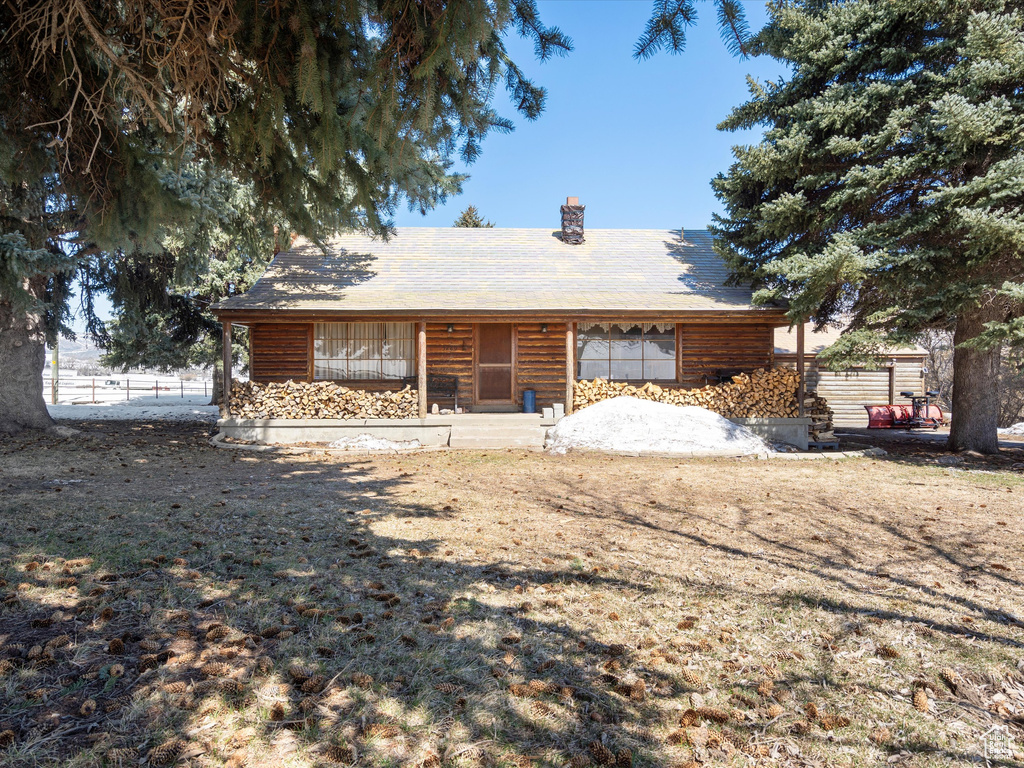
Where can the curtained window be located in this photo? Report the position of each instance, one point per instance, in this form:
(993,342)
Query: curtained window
(632,351)
(363,350)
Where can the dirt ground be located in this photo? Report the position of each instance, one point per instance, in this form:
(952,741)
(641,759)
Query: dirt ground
(167,602)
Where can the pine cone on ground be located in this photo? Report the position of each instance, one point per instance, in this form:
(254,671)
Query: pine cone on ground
(691,678)
(921,700)
(166,753)
(314,684)
(831,722)
(601,754)
(888,652)
(713,714)
(362,680)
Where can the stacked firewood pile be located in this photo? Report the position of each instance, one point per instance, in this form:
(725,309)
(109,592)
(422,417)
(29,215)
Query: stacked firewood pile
(318,400)
(816,408)
(765,393)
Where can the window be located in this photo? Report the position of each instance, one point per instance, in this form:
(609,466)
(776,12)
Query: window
(634,351)
(363,350)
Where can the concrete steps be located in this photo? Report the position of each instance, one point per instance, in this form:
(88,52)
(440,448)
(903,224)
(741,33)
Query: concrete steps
(498,434)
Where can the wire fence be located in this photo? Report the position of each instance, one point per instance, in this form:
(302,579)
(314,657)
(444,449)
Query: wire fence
(80,390)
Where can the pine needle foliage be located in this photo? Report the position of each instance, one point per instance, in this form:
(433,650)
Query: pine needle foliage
(888,184)
(330,110)
(666,28)
(149,149)
(471,218)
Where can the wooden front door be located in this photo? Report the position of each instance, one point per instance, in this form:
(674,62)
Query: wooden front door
(494,356)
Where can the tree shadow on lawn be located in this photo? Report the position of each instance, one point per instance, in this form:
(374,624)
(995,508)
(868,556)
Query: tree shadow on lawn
(828,550)
(260,634)
(825,558)
(929,449)
(299,636)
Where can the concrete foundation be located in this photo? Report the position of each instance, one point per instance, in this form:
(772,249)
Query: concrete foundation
(467,430)
(789,431)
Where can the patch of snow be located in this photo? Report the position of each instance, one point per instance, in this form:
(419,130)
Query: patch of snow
(188,408)
(367,442)
(1016,430)
(631,425)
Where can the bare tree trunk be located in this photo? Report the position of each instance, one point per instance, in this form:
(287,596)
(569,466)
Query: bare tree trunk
(975,384)
(218,384)
(22,359)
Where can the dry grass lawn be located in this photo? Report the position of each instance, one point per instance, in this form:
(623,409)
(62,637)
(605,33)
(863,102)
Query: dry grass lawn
(166,602)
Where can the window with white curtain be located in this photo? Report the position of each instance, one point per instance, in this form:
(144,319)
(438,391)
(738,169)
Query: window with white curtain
(363,350)
(632,351)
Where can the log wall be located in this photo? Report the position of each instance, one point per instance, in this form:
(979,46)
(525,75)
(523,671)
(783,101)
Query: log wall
(849,391)
(540,363)
(706,348)
(279,352)
(451,354)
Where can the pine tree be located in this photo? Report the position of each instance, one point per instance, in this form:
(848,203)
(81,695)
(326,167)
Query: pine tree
(889,184)
(327,113)
(161,300)
(471,218)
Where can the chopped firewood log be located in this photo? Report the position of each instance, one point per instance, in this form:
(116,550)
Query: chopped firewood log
(319,400)
(765,393)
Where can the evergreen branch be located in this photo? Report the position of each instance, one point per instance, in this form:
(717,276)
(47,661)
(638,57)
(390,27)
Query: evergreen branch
(735,31)
(666,28)
(547,40)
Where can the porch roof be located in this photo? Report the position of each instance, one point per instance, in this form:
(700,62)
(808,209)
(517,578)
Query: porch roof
(445,270)
(817,341)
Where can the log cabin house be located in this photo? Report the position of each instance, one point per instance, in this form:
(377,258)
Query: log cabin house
(503,311)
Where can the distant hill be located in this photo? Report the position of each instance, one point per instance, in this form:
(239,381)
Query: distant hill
(79,351)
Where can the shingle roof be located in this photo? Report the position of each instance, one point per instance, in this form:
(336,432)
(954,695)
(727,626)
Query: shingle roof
(484,270)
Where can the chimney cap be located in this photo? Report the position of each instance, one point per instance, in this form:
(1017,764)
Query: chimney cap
(572,201)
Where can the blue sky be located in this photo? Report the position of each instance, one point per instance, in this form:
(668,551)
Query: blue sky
(634,140)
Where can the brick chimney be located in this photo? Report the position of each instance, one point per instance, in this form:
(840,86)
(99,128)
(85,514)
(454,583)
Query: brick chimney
(572,221)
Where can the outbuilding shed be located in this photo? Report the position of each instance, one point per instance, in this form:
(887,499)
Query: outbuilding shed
(850,389)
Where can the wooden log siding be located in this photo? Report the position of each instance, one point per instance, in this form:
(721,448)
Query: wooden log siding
(849,391)
(706,348)
(540,363)
(280,351)
(283,351)
(451,354)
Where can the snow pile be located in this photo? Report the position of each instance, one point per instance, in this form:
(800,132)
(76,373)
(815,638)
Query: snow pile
(631,425)
(189,408)
(367,442)
(1016,430)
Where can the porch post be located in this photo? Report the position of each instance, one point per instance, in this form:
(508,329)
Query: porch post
(570,366)
(225,395)
(800,387)
(421,368)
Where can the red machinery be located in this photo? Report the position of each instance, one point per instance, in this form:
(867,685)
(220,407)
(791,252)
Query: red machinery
(921,413)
